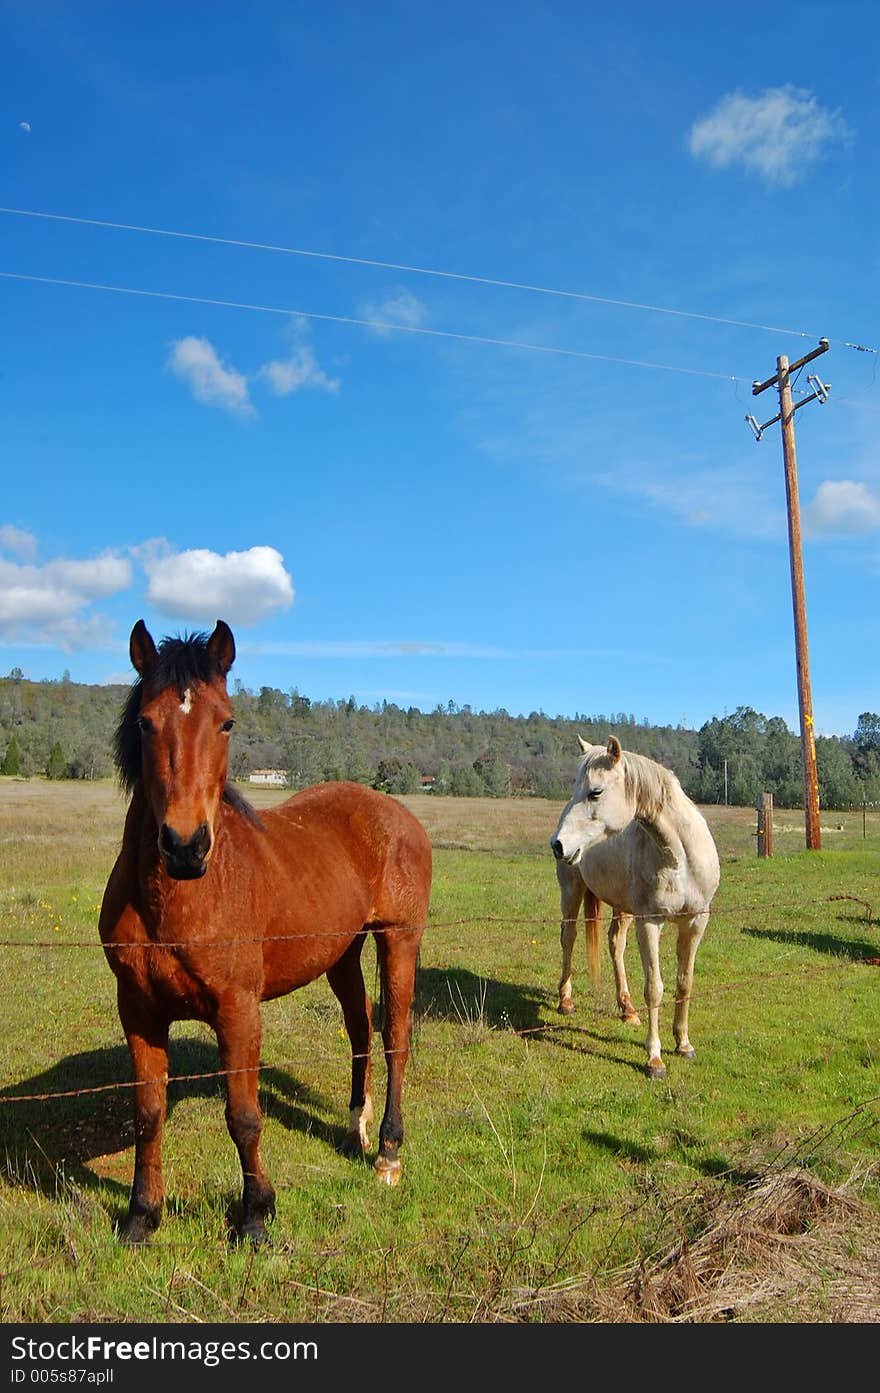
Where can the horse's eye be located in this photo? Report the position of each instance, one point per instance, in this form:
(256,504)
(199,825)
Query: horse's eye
(227,725)
(144,725)
(594,794)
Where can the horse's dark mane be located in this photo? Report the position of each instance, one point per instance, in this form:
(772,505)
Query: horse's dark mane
(179,661)
(237,801)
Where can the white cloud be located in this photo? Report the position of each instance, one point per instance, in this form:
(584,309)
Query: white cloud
(842,508)
(83,633)
(712,500)
(46,604)
(288,375)
(401,307)
(195,362)
(299,369)
(777,134)
(242,587)
(18,542)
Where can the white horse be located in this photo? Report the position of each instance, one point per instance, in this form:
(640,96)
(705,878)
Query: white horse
(636,841)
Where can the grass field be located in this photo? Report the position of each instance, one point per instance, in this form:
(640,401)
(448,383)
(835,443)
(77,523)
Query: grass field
(545,1178)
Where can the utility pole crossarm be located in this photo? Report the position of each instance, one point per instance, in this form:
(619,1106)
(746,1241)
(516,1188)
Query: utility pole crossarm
(759,387)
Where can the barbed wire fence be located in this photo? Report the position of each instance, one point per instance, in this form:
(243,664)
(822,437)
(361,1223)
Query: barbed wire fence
(706,991)
(505,1297)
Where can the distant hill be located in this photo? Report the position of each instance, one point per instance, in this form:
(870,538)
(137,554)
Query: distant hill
(65,729)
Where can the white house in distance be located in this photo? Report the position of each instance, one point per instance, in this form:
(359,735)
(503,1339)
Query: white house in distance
(269,778)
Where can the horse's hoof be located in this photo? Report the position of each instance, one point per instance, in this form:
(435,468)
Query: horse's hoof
(137,1230)
(631,1018)
(566,1008)
(254,1233)
(135,1238)
(353,1147)
(687,1053)
(388,1171)
(655,1070)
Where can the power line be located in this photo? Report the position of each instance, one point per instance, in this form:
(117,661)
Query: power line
(368,324)
(422,271)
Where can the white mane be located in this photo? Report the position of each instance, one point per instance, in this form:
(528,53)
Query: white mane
(649,785)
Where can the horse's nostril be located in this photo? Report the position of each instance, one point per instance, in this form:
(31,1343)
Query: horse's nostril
(169,841)
(200,842)
(194,850)
(556,848)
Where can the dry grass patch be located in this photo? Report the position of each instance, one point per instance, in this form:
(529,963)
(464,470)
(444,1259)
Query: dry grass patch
(784,1248)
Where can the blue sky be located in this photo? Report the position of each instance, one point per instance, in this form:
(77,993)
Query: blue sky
(452,486)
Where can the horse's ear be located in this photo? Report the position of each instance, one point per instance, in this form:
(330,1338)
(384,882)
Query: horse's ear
(614,749)
(583,744)
(221,646)
(141,648)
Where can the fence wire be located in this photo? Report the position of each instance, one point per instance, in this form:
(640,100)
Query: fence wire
(707,992)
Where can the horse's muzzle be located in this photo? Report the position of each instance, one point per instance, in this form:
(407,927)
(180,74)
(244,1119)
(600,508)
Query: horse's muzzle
(559,852)
(185,860)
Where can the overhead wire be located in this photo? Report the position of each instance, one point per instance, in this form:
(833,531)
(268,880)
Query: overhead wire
(424,271)
(383,325)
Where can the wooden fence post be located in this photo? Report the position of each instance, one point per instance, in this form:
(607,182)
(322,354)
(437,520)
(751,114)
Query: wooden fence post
(765,825)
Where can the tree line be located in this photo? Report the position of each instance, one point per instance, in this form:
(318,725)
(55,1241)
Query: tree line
(64,730)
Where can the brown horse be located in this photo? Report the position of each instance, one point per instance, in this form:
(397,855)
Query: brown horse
(210,910)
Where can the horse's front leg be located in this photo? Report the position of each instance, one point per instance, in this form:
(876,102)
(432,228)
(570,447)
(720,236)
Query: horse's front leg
(571,895)
(397,950)
(617,932)
(148,1044)
(690,933)
(238,1025)
(648,932)
(347,981)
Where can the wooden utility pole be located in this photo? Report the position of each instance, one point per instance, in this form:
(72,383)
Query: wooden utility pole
(782,380)
(765,825)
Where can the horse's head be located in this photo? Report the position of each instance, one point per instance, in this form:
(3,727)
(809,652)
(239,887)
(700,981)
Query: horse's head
(600,804)
(178,723)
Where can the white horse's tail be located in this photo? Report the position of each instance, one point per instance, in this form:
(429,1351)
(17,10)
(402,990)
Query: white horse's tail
(592,923)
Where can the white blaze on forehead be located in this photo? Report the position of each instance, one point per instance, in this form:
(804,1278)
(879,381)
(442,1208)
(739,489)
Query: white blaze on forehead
(186,704)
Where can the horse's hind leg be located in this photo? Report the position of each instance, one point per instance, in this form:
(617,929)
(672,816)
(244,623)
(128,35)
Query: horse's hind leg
(347,980)
(690,933)
(571,895)
(397,949)
(239,1026)
(148,1045)
(617,932)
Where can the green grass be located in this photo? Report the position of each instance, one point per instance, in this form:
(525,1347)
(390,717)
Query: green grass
(537,1157)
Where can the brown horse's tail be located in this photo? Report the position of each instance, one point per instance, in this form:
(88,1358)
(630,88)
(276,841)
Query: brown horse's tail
(592,924)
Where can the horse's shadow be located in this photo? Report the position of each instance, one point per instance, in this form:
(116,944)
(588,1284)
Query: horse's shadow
(458,995)
(828,943)
(58,1122)
(629,1152)
(47,1140)
(580,1039)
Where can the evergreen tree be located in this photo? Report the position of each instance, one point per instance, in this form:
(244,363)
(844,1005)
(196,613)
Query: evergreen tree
(838,784)
(465,782)
(495,774)
(12,759)
(397,775)
(56,767)
(866,759)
